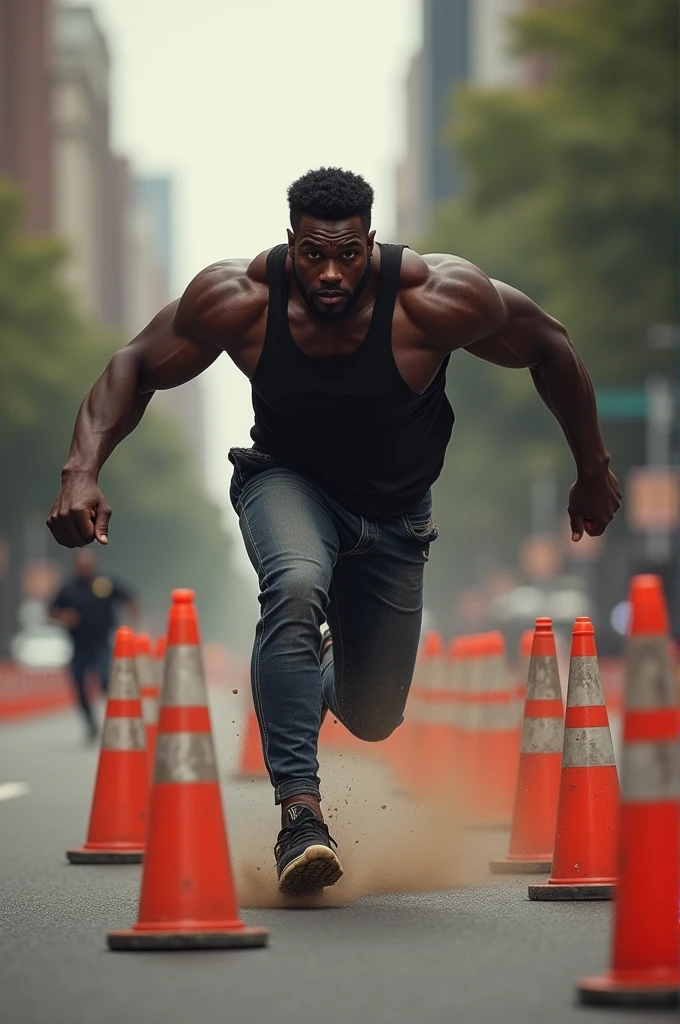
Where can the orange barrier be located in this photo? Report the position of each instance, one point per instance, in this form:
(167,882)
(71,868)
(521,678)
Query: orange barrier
(645,963)
(187,898)
(584,856)
(117,825)
(25,693)
(538,781)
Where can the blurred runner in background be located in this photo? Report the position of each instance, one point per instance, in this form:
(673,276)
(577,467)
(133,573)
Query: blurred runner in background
(87,606)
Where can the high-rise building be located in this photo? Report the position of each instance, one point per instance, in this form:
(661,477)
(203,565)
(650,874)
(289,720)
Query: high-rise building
(492,62)
(463,41)
(150,287)
(428,172)
(25,70)
(82,159)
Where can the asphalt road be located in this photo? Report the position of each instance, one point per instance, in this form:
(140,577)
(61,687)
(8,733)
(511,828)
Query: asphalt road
(476,952)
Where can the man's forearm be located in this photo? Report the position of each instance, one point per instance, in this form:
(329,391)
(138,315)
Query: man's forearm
(110,411)
(564,384)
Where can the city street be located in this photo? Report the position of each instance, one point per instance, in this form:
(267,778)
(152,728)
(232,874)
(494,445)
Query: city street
(479,952)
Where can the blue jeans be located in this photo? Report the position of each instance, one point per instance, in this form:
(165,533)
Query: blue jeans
(97,658)
(317,562)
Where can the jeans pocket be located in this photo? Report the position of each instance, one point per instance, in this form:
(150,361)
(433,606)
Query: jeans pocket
(419,524)
(246,462)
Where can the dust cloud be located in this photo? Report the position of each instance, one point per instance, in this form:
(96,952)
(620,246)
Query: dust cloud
(387,842)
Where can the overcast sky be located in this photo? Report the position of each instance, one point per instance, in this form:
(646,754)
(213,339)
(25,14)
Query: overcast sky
(235,100)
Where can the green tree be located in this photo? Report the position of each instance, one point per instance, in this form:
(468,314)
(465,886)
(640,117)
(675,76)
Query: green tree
(571,195)
(165,531)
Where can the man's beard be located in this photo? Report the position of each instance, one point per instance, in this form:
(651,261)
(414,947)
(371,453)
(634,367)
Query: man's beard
(329,316)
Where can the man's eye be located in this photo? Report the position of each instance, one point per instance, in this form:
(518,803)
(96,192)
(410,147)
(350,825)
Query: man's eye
(313,254)
(349,254)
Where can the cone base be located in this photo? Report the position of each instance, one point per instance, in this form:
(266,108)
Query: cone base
(137,941)
(82,855)
(520,867)
(607,990)
(557,893)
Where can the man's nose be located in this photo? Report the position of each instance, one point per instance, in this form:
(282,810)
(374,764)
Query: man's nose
(331,273)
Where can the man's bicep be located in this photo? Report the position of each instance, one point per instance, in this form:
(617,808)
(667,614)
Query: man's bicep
(526,338)
(166,358)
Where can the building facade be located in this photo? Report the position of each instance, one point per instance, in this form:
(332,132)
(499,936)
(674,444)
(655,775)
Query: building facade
(25,70)
(81,155)
(463,41)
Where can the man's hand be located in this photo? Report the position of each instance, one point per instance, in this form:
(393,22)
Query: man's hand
(80,513)
(593,502)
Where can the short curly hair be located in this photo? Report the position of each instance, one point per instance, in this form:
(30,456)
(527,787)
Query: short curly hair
(330,193)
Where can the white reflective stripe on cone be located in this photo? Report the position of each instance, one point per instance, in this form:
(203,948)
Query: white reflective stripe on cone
(123,734)
(149,710)
(434,712)
(497,717)
(185,757)
(589,747)
(146,670)
(544,679)
(650,771)
(542,736)
(585,685)
(183,682)
(123,682)
(649,675)
(491,675)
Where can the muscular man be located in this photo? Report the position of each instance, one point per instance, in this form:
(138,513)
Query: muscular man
(346,344)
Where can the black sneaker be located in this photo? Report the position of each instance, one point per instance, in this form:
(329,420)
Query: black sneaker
(305,856)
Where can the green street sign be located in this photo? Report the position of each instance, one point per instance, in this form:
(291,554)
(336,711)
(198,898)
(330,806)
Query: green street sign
(622,403)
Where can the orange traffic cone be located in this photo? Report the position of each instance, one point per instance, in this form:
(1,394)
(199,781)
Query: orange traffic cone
(147,676)
(159,654)
(497,735)
(433,727)
(251,760)
(118,817)
(584,856)
(645,964)
(187,898)
(526,644)
(538,782)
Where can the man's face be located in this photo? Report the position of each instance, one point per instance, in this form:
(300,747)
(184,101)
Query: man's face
(85,565)
(331,263)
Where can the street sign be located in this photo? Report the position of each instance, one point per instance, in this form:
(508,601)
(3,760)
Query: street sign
(622,403)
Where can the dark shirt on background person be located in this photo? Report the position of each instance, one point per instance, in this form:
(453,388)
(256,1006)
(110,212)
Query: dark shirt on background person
(96,602)
(87,606)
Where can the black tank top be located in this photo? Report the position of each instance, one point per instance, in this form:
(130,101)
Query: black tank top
(350,423)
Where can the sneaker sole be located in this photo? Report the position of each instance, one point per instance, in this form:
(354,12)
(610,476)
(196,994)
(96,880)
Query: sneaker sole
(314,869)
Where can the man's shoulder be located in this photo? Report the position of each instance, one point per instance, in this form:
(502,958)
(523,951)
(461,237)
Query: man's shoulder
(228,295)
(436,287)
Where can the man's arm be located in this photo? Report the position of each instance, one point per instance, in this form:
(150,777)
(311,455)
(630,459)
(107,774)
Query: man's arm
(157,359)
(530,338)
(62,612)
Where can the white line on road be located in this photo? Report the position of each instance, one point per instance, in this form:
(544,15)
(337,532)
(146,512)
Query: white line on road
(10,790)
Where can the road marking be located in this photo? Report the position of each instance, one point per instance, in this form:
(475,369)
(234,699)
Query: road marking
(10,790)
